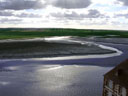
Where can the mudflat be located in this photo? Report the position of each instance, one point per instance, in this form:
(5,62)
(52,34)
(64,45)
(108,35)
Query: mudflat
(41,48)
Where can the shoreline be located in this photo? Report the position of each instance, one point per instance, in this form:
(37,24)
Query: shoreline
(97,51)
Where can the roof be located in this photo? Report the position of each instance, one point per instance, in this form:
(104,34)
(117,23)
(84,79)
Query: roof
(119,74)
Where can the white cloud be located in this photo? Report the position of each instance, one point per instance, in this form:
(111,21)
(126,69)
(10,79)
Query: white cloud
(64,13)
(78,16)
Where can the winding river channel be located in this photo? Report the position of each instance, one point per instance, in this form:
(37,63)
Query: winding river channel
(60,76)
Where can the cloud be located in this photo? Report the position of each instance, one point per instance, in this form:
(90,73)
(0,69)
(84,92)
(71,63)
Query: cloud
(21,4)
(60,15)
(28,15)
(6,13)
(125,2)
(20,14)
(75,16)
(72,4)
(122,15)
(94,14)
(39,4)
(10,20)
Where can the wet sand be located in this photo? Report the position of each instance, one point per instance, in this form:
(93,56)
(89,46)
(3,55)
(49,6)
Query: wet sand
(40,48)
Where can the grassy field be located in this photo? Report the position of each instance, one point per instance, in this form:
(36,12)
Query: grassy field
(13,33)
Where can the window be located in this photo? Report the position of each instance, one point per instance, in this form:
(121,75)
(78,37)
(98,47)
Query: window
(109,93)
(123,91)
(111,84)
(116,89)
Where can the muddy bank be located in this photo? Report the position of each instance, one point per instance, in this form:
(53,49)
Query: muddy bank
(41,48)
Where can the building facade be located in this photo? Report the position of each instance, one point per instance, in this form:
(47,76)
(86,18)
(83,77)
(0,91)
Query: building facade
(116,81)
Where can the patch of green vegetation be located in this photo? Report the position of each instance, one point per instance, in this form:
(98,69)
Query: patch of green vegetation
(18,33)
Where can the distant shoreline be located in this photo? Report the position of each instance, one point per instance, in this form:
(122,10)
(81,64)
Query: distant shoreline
(16,33)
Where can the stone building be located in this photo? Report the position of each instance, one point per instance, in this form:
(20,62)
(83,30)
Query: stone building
(116,81)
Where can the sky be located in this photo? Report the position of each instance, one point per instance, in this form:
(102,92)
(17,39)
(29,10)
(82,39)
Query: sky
(81,14)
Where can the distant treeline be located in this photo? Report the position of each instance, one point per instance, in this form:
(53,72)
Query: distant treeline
(17,33)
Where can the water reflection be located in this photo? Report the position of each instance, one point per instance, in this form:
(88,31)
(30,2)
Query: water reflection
(52,80)
(3,83)
(72,80)
(49,67)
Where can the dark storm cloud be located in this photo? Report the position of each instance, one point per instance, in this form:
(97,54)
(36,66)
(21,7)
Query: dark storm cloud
(76,16)
(125,2)
(72,4)
(20,4)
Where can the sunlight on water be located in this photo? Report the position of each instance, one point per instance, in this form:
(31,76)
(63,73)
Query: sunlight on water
(3,83)
(57,38)
(72,77)
(49,67)
(52,80)
(55,68)
(12,68)
(40,78)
